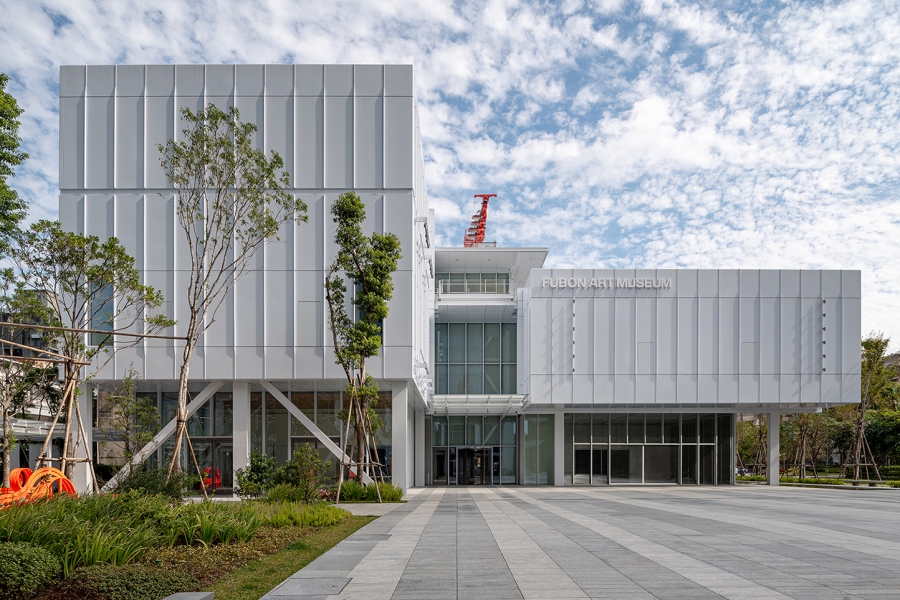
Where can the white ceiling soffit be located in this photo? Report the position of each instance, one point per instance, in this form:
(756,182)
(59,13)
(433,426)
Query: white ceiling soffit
(516,261)
(475,313)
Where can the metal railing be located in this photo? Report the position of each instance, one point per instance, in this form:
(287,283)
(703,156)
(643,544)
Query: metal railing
(472,287)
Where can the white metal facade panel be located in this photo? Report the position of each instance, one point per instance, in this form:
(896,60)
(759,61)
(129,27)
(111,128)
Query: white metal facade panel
(325,122)
(729,338)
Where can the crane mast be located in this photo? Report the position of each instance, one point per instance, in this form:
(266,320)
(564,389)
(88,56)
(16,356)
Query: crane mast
(475,233)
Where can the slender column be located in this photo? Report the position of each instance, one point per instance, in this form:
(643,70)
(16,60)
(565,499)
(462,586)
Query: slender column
(420,458)
(559,454)
(82,475)
(399,436)
(773,463)
(240,396)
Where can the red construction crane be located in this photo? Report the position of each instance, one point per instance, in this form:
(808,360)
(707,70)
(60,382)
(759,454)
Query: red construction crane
(475,233)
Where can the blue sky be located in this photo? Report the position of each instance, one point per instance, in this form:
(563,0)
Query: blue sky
(617,133)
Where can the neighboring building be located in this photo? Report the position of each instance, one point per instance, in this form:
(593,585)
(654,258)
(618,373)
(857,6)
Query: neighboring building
(493,370)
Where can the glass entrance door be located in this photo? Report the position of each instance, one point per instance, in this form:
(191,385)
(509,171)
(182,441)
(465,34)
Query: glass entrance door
(474,466)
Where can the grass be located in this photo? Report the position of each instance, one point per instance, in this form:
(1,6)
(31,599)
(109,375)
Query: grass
(298,547)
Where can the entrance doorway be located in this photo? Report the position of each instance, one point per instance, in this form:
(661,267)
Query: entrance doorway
(467,466)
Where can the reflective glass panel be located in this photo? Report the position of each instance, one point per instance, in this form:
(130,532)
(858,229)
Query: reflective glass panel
(688,429)
(671,429)
(440,379)
(456,380)
(625,464)
(661,464)
(654,429)
(617,428)
(508,342)
(327,406)
(473,431)
(545,450)
(492,379)
(492,431)
(725,452)
(508,384)
(276,429)
(635,429)
(306,402)
(475,379)
(707,429)
(508,464)
(438,431)
(582,428)
(688,465)
(441,343)
(509,430)
(492,342)
(457,431)
(707,465)
(474,342)
(600,428)
(457,339)
(256,422)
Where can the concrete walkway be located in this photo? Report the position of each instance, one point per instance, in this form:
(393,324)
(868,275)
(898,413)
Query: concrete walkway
(743,542)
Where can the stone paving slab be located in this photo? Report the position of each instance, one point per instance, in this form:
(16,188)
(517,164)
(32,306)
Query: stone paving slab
(744,542)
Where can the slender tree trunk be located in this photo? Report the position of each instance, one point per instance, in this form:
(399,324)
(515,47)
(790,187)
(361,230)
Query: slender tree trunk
(67,463)
(181,412)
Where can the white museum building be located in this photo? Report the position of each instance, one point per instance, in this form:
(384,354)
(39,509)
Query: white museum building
(494,370)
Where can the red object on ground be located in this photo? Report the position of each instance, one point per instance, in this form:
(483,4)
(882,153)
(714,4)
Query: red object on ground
(475,233)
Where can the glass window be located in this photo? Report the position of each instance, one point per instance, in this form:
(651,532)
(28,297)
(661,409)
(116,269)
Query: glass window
(475,379)
(626,464)
(256,422)
(530,433)
(635,429)
(617,428)
(276,429)
(441,344)
(568,447)
(473,283)
(457,283)
(327,407)
(671,429)
(707,465)
(654,429)
(492,384)
(489,283)
(688,429)
(545,449)
(661,464)
(102,309)
(600,427)
(169,406)
(383,433)
(440,379)
(200,423)
(688,464)
(725,452)
(473,431)
(474,342)
(439,279)
(508,379)
(502,283)
(492,342)
(508,342)
(456,380)
(508,464)
(509,430)
(707,429)
(457,342)
(306,402)
(492,431)
(457,431)
(582,422)
(438,431)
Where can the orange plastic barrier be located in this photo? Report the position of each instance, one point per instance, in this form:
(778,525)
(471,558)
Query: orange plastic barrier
(27,486)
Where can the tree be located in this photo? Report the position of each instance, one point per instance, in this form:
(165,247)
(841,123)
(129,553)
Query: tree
(229,201)
(88,285)
(368,264)
(131,420)
(12,207)
(20,371)
(304,471)
(883,435)
(875,380)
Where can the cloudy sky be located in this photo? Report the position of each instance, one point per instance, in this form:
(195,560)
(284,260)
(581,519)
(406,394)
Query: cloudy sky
(646,134)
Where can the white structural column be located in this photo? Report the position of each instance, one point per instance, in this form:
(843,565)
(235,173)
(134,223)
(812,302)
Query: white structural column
(399,435)
(421,459)
(773,463)
(83,481)
(559,454)
(240,395)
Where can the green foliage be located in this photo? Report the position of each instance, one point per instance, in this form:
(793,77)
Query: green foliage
(131,582)
(119,529)
(258,477)
(305,472)
(893,483)
(26,568)
(12,207)
(131,419)
(156,481)
(815,480)
(368,263)
(284,492)
(287,514)
(750,478)
(352,491)
(883,435)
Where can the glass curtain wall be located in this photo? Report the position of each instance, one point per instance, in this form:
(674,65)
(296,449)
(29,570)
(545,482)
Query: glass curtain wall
(537,434)
(472,283)
(473,450)
(475,358)
(614,448)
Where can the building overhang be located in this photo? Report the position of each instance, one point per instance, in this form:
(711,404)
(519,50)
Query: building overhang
(518,262)
(476,404)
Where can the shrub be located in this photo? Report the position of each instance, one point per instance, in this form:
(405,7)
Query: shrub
(152,481)
(893,484)
(304,471)
(207,523)
(25,568)
(351,491)
(132,582)
(750,477)
(284,492)
(258,477)
(286,514)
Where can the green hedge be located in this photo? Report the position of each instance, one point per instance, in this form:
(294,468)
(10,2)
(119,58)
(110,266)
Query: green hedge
(131,582)
(286,514)
(351,491)
(26,568)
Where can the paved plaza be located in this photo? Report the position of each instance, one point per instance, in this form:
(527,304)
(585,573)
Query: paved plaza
(747,542)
